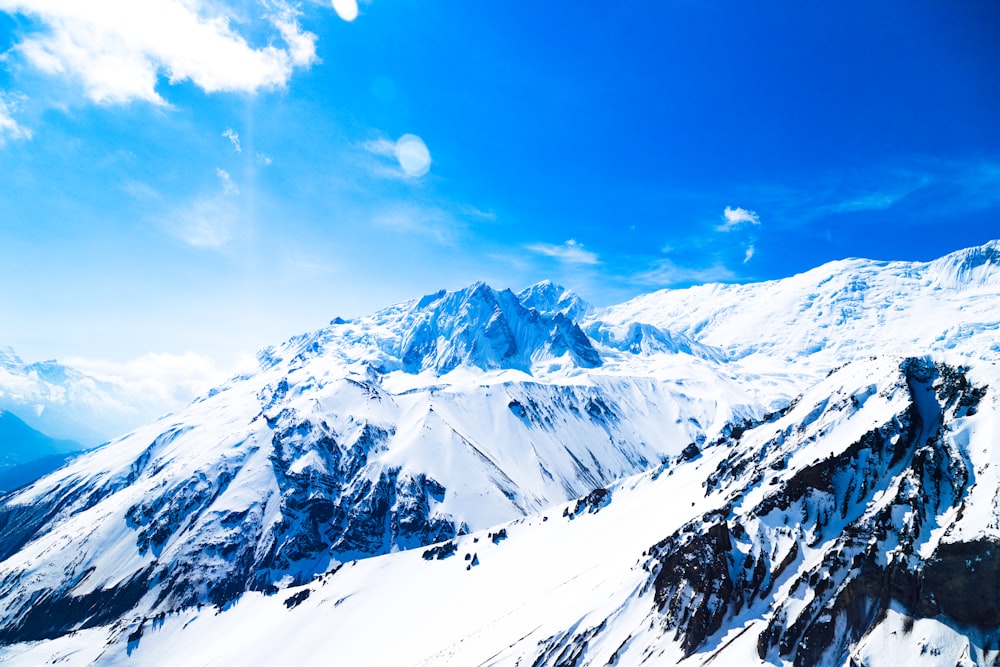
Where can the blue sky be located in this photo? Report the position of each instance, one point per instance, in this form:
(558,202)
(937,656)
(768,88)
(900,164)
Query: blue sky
(206,178)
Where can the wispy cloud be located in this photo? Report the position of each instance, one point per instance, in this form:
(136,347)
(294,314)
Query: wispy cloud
(667,273)
(920,188)
(208,222)
(10,128)
(117,49)
(414,218)
(228,187)
(234,139)
(735,217)
(572,251)
(748,255)
(263,159)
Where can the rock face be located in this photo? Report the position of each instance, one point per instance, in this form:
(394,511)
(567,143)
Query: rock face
(823,553)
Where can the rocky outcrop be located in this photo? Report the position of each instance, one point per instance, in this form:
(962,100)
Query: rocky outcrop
(867,509)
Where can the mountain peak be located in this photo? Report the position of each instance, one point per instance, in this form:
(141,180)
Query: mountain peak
(970,267)
(550,298)
(489,329)
(9,358)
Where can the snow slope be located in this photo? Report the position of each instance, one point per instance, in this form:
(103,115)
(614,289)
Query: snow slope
(733,497)
(427,420)
(838,312)
(837,533)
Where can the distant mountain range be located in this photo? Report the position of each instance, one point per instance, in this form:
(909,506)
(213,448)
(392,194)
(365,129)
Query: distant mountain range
(800,471)
(27,454)
(65,403)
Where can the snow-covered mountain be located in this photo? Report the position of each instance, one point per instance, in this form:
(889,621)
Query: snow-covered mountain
(858,527)
(64,403)
(838,312)
(757,473)
(429,419)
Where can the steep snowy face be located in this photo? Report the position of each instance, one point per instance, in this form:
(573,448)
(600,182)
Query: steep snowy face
(62,402)
(838,312)
(424,421)
(487,329)
(969,269)
(477,327)
(549,298)
(871,500)
(857,526)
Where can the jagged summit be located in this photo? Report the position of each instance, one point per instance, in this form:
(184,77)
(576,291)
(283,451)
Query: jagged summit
(477,327)
(482,327)
(549,298)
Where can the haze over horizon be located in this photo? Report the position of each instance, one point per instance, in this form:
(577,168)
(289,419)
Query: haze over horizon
(187,182)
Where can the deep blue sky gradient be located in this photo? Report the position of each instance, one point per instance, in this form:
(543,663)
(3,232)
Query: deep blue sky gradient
(852,129)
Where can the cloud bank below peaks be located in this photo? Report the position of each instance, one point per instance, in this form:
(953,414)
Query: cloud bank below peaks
(117,49)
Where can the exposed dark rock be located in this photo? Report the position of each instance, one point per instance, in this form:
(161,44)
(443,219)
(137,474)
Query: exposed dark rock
(440,551)
(690,452)
(962,580)
(50,615)
(591,503)
(711,569)
(295,600)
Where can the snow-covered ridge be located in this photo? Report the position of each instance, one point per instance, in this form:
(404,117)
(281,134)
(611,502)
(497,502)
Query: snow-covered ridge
(838,312)
(427,420)
(446,415)
(857,526)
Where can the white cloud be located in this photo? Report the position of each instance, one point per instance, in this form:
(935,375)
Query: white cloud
(409,151)
(117,49)
(234,139)
(748,254)
(666,273)
(263,159)
(416,218)
(571,251)
(165,380)
(228,187)
(10,128)
(734,217)
(206,223)
(382,147)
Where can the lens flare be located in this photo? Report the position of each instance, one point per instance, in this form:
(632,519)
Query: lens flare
(413,156)
(346,9)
